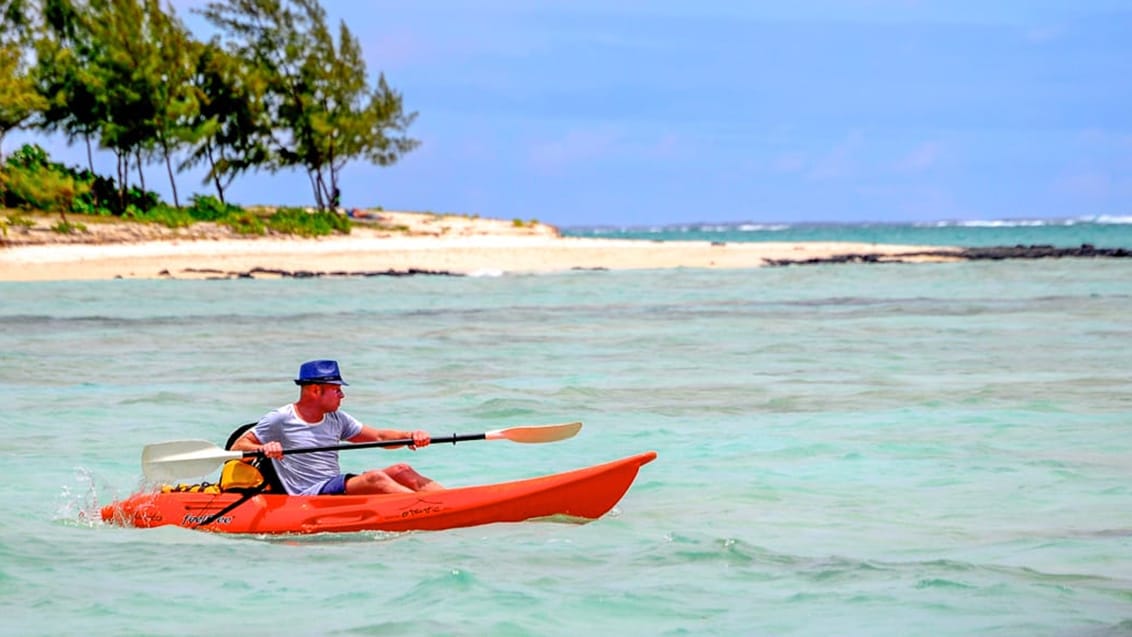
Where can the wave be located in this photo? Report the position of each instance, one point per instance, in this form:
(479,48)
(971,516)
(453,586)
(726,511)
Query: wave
(751,226)
(1099,220)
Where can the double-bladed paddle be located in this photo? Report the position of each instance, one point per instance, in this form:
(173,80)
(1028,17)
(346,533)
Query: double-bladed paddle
(187,458)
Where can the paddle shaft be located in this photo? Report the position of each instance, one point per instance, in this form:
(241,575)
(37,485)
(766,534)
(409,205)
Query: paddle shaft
(177,458)
(400,442)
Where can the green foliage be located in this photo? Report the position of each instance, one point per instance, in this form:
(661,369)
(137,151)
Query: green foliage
(245,222)
(209,208)
(308,224)
(324,111)
(66,227)
(19,99)
(231,128)
(203,208)
(30,180)
(276,87)
(28,156)
(163,214)
(20,221)
(103,197)
(15,220)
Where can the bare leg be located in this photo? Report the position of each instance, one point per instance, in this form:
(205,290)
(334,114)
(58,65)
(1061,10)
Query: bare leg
(374,481)
(398,478)
(409,478)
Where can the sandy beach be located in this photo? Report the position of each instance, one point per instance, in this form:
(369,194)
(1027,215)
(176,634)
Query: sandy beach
(390,241)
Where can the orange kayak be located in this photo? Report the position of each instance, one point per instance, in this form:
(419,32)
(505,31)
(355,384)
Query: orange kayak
(581,494)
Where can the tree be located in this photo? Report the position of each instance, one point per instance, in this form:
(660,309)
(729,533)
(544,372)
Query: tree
(115,54)
(316,91)
(231,128)
(165,68)
(19,96)
(64,53)
(348,120)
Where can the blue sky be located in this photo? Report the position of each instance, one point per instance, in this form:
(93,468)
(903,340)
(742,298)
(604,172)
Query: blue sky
(637,113)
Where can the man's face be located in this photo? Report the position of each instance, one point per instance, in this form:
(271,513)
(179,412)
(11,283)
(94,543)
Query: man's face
(330,397)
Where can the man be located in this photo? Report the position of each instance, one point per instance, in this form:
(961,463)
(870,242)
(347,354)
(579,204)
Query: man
(314,421)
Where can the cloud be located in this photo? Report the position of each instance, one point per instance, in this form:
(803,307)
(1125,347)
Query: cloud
(575,146)
(667,146)
(905,201)
(1042,35)
(920,159)
(1088,185)
(585,145)
(1103,138)
(789,162)
(840,161)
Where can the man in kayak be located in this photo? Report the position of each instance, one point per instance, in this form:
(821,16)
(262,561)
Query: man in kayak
(315,421)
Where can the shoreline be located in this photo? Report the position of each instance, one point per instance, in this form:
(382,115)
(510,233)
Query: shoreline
(380,242)
(365,256)
(407,243)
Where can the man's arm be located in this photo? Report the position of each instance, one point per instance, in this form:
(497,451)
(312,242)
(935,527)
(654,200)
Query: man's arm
(250,442)
(372,434)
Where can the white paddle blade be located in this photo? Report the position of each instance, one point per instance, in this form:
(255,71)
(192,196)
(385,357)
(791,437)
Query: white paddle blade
(183,459)
(536,433)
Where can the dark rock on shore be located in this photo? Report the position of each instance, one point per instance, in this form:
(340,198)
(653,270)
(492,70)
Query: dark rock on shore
(307,274)
(993,253)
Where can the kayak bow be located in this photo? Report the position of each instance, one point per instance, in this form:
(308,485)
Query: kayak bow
(582,494)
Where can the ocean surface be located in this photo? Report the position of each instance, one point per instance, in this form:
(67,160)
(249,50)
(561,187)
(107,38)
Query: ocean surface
(1101,231)
(904,450)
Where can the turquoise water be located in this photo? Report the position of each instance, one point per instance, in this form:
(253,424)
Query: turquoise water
(843,450)
(1100,231)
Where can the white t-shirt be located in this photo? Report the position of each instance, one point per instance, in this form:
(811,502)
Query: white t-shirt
(306,473)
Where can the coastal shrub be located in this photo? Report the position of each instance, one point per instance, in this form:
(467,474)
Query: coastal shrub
(244,222)
(308,224)
(30,180)
(163,214)
(20,221)
(15,220)
(30,188)
(210,208)
(143,200)
(67,227)
(102,199)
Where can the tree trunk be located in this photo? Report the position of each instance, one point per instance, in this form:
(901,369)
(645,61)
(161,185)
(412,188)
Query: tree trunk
(317,190)
(172,181)
(90,166)
(123,173)
(215,177)
(141,175)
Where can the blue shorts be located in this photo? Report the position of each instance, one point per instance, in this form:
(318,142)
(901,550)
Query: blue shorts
(336,485)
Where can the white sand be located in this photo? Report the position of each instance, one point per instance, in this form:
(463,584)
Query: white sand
(177,259)
(448,243)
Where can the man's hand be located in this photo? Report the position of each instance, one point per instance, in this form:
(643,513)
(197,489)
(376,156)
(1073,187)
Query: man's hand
(272,450)
(420,439)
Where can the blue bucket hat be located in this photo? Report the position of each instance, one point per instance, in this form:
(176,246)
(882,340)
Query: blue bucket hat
(323,372)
